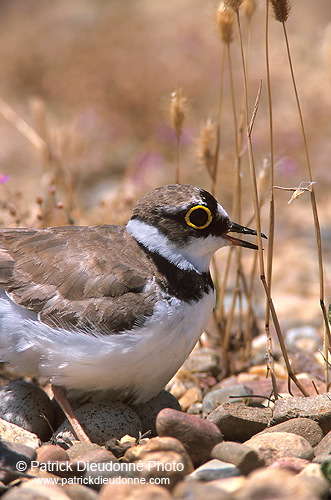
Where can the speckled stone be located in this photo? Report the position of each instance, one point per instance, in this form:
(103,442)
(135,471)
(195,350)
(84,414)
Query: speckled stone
(29,407)
(147,412)
(104,421)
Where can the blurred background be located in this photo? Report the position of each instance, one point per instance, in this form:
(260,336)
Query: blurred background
(94,78)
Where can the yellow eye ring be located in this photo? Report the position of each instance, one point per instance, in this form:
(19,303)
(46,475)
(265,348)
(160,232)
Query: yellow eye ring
(192,209)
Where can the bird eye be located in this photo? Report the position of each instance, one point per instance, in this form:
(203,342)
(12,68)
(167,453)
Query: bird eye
(198,217)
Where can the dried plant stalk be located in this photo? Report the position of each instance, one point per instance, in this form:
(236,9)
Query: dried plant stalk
(250,123)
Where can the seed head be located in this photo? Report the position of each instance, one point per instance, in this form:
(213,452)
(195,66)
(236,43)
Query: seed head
(248,8)
(282,9)
(225,20)
(233,4)
(177,111)
(206,146)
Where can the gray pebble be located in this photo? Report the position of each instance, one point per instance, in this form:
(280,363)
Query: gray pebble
(225,395)
(213,469)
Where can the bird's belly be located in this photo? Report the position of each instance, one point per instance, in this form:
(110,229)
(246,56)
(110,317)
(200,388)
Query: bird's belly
(139,362)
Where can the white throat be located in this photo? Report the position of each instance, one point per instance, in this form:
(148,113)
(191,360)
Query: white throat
(193,256)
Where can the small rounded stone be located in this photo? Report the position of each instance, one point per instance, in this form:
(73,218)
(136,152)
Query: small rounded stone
(51,453)
(197,435)
(275,445)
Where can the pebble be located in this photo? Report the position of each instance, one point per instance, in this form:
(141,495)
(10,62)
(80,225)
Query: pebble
(159,444)
(276,485)
(240,455)
(317,408)
(292,464)
(51,453)
(315,479)
(275,445)
(213,469)
(305,427)
(28,406)
(10,455)
(197,435)
(147,412)
(16,434)
(196,490)
(304,337)
(103,421)
(80,492)
(203,360)
(324,446)
(133,492)
(192,396)
(33,490)
(79,449)
(238,422)
(195,409)
(225,395)
(155,466)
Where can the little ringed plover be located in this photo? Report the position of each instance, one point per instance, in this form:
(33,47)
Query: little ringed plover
(113,308)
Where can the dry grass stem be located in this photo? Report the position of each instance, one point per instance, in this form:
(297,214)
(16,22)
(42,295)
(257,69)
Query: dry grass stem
(22,126)
(281,9)
(327,333)
(250,123)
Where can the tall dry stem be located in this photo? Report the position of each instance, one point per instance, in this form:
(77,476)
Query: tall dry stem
(281,10)
(250,123)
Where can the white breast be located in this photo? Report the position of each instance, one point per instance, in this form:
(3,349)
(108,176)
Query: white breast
(142,360)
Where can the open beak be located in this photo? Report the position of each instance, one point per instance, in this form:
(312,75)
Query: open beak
(237,228)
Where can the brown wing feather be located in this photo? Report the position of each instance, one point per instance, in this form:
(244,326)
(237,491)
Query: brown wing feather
(77,276)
